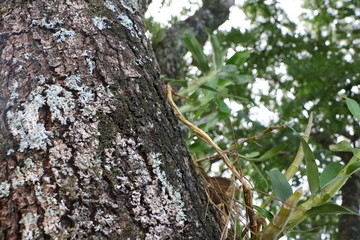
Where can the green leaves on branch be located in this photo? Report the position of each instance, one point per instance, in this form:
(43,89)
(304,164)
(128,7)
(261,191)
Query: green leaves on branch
(345,146)
(209,90)
(329,208)
(267,155)
(197,52)
(354,107)
(208,107)
(218,54)
(235,77)
(278,224)
(265,213)
(239,58)
(312,171)
(279,184)
(330,172)
(330,188)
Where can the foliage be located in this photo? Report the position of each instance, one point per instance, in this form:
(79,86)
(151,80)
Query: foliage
(331,179)
(313,69)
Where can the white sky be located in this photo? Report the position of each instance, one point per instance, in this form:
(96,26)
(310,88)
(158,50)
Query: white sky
(236,18)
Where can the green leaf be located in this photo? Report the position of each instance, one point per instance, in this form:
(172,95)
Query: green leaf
(343,146)
(197,52)
(329,208)
(353,168)
(229,68)
(272,152)
(223,107)
(218,56)
(279,184)
(208,88)
(268,154)
(235,77)
(239,58)
(265,213)
(330,172)
(312,171)
(354,107)
(252,154)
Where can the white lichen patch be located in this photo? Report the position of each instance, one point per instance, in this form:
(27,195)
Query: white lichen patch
(18,179)
(158,206)
(100,22)
(82,219)
(26,56)
(52,221)
(61,103)
(89,61)
(32,171)
(167,187)
(86,97)
(128,24)
(53,210)
(10,151)
(91,65)
(25,126)
(63,34)
(85,157)
(48,24)
(64,105)
(133,4)
(108,222)
(31,230)
(109,5)
(126,21)
(4,189)
(59,151)
(14,95)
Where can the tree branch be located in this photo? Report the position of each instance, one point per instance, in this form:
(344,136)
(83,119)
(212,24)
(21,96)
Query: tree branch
(171,49)
(143,5)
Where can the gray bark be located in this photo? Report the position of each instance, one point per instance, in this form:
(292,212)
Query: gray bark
(89,147)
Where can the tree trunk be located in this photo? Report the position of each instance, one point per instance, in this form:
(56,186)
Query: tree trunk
(349,224)
(89,147)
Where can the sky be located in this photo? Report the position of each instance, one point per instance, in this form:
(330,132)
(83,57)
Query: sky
(163,15)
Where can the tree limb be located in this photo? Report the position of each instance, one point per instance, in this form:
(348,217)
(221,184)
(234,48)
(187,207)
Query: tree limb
(171,49)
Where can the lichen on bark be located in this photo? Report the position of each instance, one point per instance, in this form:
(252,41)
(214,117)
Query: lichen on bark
(89,146)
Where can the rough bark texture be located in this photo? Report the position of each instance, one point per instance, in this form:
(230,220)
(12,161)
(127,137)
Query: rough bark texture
(89,147)
(171,50)
(350,193)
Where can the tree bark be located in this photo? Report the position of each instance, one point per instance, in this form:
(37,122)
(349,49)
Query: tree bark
(350,193)
(89,147)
